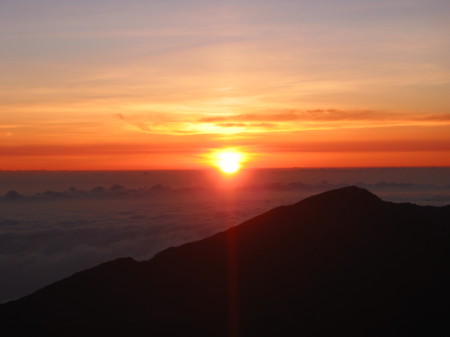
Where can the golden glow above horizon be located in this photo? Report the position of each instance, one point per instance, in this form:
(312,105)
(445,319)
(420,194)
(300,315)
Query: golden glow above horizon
(151,85)
(229,161)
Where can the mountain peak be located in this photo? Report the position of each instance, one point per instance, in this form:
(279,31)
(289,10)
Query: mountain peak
(349,196)
(353,192)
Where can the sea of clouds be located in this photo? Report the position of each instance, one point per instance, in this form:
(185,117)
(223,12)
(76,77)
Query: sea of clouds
(48,234)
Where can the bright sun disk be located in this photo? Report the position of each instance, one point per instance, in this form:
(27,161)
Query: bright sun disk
(228,161)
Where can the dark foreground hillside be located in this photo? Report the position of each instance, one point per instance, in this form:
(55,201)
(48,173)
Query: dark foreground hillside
(341,263)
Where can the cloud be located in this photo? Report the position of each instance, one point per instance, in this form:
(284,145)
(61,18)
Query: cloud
(332,115)
(247,125)
(278,117)
(119,192)
(89,150)
(278,121)
(355,146)
(46,236)
(69,234)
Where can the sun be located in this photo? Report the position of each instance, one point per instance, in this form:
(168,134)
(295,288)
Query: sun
(228,160)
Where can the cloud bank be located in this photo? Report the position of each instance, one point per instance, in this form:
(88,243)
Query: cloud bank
(49,234)
(279,121)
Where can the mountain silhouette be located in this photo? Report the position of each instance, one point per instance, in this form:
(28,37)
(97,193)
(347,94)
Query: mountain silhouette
(341,263)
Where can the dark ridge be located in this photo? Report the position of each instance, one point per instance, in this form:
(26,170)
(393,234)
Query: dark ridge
(352,194)
(341,263)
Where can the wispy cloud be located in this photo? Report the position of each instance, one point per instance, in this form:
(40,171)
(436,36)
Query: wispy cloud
(332,115)
(280,121)
(247,125)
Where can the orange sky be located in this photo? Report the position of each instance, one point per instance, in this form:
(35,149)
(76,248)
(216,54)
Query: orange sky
(140,85)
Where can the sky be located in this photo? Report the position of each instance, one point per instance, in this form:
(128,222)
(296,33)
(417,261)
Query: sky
(112,84)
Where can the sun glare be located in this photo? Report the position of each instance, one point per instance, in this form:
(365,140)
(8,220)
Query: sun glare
(228,161)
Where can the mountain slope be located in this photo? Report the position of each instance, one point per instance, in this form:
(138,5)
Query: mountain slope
(341,263)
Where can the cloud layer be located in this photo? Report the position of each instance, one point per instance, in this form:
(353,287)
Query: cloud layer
(46,235)
(280,121)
